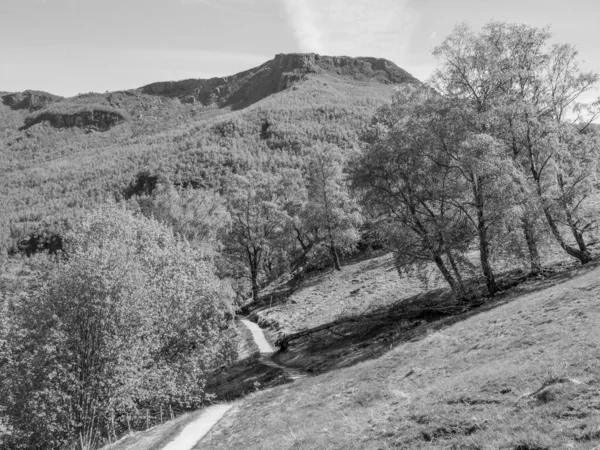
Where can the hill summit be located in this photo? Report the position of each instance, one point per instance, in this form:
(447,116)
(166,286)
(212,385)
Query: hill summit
(248,87)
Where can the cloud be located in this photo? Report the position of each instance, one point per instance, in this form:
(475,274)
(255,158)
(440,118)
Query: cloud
(305,25)
(233,6)
(433,35)
(352,27)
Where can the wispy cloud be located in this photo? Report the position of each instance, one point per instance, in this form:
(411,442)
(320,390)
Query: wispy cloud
(246,7)
(352,27)
(305,24)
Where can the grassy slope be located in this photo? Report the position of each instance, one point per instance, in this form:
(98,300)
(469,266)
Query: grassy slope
(324,296)
(521,373)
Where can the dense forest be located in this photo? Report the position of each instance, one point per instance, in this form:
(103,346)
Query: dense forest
(133,222)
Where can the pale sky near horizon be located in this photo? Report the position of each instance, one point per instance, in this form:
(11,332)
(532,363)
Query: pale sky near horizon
(72,46)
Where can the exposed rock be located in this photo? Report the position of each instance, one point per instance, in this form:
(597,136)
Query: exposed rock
(97,119)
(37,243)
(143,184)
(282,72)
(31,100)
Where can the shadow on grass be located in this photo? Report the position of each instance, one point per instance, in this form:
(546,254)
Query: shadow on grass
(246,376)
(350,340)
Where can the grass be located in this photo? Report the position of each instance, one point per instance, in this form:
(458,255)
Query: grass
(520,373)
(326,295)
(247,375)
(154,438)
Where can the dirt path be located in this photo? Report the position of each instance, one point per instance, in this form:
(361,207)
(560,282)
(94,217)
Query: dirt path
(259,337)
(195,431)
(266,351)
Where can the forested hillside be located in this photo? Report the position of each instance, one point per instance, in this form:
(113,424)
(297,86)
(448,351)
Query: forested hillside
(175,203)
(64,159)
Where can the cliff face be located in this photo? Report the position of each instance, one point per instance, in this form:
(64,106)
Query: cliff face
(245,88)
(96,119)
(31,100)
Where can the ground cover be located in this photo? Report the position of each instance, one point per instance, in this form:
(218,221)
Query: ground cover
(365,284)
(249,374)
(520,372)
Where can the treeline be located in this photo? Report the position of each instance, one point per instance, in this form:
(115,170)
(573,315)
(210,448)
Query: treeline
(493,164)
(52,178)
(497,155)
(264,223)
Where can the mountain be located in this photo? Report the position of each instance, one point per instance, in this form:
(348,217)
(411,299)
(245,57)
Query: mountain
(251,86)
(62,156)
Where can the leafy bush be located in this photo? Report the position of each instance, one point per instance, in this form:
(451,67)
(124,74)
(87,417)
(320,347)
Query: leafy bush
(128,322)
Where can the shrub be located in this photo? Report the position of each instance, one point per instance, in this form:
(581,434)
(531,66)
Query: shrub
(130,320)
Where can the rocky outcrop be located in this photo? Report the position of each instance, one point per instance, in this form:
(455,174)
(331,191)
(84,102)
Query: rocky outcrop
(31,100)
(37,243)
(245,88)
(96,119)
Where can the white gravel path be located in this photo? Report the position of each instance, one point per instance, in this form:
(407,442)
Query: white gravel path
(196,430)
(193,432)
(259,337)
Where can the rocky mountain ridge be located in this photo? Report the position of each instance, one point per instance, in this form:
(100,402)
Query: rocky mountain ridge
(29,100)
(245,88)
(233,92)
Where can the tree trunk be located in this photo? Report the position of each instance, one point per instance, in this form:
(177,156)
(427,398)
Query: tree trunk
(460,291)
(456,284)
(305,245)
(534,255)
(457,288)
(335,257)
(484,245)
(254,261)
(255,289)
(572,224)
(583,256)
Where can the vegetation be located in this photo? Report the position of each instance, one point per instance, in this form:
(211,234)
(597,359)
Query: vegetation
(330,213)
(128,322)
(501,140)
(51,177)
(518,373)
(153,226)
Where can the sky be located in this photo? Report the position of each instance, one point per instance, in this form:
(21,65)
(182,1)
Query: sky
(68,47)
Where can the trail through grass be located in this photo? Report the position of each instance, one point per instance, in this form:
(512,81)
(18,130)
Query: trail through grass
(523,373)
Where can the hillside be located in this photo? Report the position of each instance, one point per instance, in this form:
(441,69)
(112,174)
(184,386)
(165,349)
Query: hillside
(245,88)
(66,157)
(520,372)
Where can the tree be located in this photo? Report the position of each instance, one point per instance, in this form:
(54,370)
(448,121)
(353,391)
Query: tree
(436,185)
(257,203)
(330,210)
(131,319)
(407,193)
(197,215)
(527,93)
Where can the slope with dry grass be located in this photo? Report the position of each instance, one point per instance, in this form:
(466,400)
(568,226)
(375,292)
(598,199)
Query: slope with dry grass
(366,284)
(520,372)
